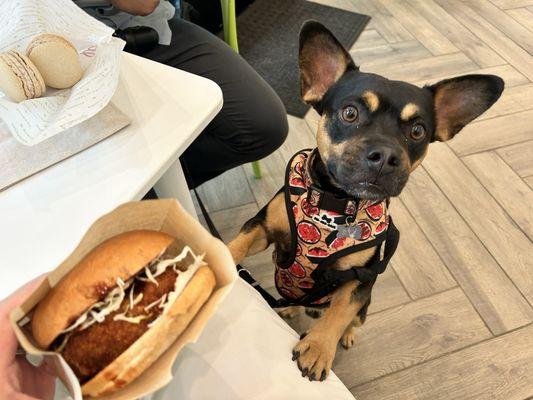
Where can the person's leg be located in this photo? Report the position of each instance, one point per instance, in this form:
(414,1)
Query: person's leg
(252,122)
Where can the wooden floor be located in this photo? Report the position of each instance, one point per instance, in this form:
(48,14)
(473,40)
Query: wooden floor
(452,318)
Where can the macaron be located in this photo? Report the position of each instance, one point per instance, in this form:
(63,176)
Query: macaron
(19,78)
(57,59)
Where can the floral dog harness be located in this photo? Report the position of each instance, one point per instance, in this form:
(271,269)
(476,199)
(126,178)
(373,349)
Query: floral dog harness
(324,228)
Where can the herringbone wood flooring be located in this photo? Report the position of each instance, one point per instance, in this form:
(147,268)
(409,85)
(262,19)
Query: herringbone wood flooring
(452,318)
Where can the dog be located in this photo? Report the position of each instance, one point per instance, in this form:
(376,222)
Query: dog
(373,132)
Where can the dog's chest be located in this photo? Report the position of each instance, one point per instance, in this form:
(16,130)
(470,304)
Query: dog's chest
(322,237)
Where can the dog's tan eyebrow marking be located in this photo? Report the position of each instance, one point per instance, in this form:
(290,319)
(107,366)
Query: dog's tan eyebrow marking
(409,111)
(371,99)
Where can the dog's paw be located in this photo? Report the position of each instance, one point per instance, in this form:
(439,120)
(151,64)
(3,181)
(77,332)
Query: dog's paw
(289,312)
(314,357)
(313,312)
(348,337)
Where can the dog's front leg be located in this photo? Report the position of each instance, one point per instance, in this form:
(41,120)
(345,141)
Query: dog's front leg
(316,350)
(251,240)
(256,234)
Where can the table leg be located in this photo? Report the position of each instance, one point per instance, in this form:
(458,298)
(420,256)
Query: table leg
(174,186)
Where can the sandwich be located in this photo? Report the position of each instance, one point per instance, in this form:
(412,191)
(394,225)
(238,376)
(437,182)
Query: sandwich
(121,307)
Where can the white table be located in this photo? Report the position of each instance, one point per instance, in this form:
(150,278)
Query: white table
(247,358)
(43,217)
(244,353)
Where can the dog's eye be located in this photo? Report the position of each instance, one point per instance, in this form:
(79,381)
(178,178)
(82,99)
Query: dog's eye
(349,114)
(418,132)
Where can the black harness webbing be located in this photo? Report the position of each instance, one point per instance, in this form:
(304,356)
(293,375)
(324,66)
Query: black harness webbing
(243,272)
(326,279)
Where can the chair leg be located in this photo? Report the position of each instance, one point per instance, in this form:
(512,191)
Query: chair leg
(256,168)
(232,26)
(225,19)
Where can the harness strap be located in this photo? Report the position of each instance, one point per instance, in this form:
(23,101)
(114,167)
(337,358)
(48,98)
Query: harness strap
(329,201)
(327,280)
(248,278)
(243,272)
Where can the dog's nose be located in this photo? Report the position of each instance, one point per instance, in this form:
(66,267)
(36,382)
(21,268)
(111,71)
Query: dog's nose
(383,158)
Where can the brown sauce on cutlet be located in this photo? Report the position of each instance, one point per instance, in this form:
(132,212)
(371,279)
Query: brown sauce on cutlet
(101,290)
(89,351)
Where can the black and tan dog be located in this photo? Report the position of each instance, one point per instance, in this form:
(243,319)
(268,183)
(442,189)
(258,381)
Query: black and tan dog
(373,132)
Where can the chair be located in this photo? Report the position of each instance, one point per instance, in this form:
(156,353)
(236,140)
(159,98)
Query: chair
(229,22)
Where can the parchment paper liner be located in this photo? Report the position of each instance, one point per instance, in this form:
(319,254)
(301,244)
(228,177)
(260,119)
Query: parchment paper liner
(161,215)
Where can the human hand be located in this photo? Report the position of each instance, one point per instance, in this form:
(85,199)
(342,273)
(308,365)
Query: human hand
(136,7)
(19,379)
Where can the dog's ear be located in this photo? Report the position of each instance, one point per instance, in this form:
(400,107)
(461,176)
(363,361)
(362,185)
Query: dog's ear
(322,59)
(457,101)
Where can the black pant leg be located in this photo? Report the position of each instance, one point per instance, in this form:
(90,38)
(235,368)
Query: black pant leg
(252,122)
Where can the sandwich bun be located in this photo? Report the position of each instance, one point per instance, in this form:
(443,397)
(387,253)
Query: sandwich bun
(57,59)
(123,256)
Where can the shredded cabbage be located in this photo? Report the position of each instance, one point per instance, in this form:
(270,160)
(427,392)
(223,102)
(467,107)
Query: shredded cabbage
(112,301)
(155,303)
(150,276)
(163,299)
(181,281)
(132,320)
(81,319)
(63,343)
(98,311)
